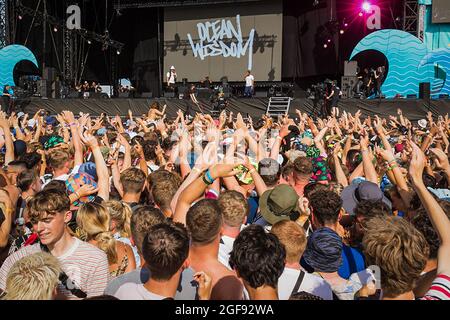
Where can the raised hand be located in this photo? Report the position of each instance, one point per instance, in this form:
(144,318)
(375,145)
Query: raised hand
(223,170)
(68,116)
(441,159)
(139,149)
(204,285)
(417,163)
(89,140)
(86,190)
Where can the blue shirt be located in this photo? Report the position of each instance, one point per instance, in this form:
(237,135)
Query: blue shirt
(352,261)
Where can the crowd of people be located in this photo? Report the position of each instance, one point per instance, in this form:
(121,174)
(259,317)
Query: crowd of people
(196,208)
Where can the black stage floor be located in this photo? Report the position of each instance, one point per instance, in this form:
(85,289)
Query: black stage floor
(414,109)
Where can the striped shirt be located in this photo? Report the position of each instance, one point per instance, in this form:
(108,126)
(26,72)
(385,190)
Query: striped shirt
(440,289)
(84,264)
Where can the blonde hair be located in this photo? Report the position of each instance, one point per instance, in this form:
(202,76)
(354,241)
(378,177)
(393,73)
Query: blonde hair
(120,212)
(293,237)
(34,277)
(93,219)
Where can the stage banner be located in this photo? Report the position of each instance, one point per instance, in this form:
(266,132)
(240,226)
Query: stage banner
(10,56)
(410,62)
(224,40)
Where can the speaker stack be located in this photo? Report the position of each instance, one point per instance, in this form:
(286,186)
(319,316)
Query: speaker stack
(347,85)
(424,90)
(43,88)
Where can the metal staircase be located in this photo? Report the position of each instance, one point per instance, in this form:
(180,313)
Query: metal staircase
(278,106)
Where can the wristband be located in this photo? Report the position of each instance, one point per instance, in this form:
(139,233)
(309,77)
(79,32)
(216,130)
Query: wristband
(392,167)
(252,170)
(78,196)
(206,180)
(208,176)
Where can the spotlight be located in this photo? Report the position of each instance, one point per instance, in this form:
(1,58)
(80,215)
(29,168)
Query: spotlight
(89,42)
(329,40)
(360,14)
(20,17)
(366,6)
(118,52)
(315,3)
(325,46)
(55,29)
(346,24)
(341,32)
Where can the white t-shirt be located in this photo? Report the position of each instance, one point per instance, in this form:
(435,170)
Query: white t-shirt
(249,80)
(84,264)
(171,77)
(311,283)
(224,250)
(135,291)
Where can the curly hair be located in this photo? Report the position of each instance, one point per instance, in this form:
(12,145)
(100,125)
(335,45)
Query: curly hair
(326,206)
(398,249)
(258,257)
(422,223)
(372,208)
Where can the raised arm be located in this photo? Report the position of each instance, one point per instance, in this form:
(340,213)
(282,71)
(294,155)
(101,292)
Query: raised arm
(70,119)
(127,157)
(438,218)
(198,187)
(9,145)
(101,168)
(441,162)
(369,169)
(275,151)
(340,175)
(5,226)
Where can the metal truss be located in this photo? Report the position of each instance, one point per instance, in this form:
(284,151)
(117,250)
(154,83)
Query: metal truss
(4,32)
(88,35)
(411,16)
(129,4)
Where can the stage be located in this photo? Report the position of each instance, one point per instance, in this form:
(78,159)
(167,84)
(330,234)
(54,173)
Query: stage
(414,109)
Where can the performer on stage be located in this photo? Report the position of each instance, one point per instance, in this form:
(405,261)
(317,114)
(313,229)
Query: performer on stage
(192,91)
(362,87)
(171,78)
(331,99)
(379,76)
(249,84)
(8,98)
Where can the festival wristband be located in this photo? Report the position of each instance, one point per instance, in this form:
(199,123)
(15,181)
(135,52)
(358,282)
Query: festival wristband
(208,176)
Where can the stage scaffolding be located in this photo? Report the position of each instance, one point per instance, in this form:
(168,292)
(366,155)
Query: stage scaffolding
(4,32)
